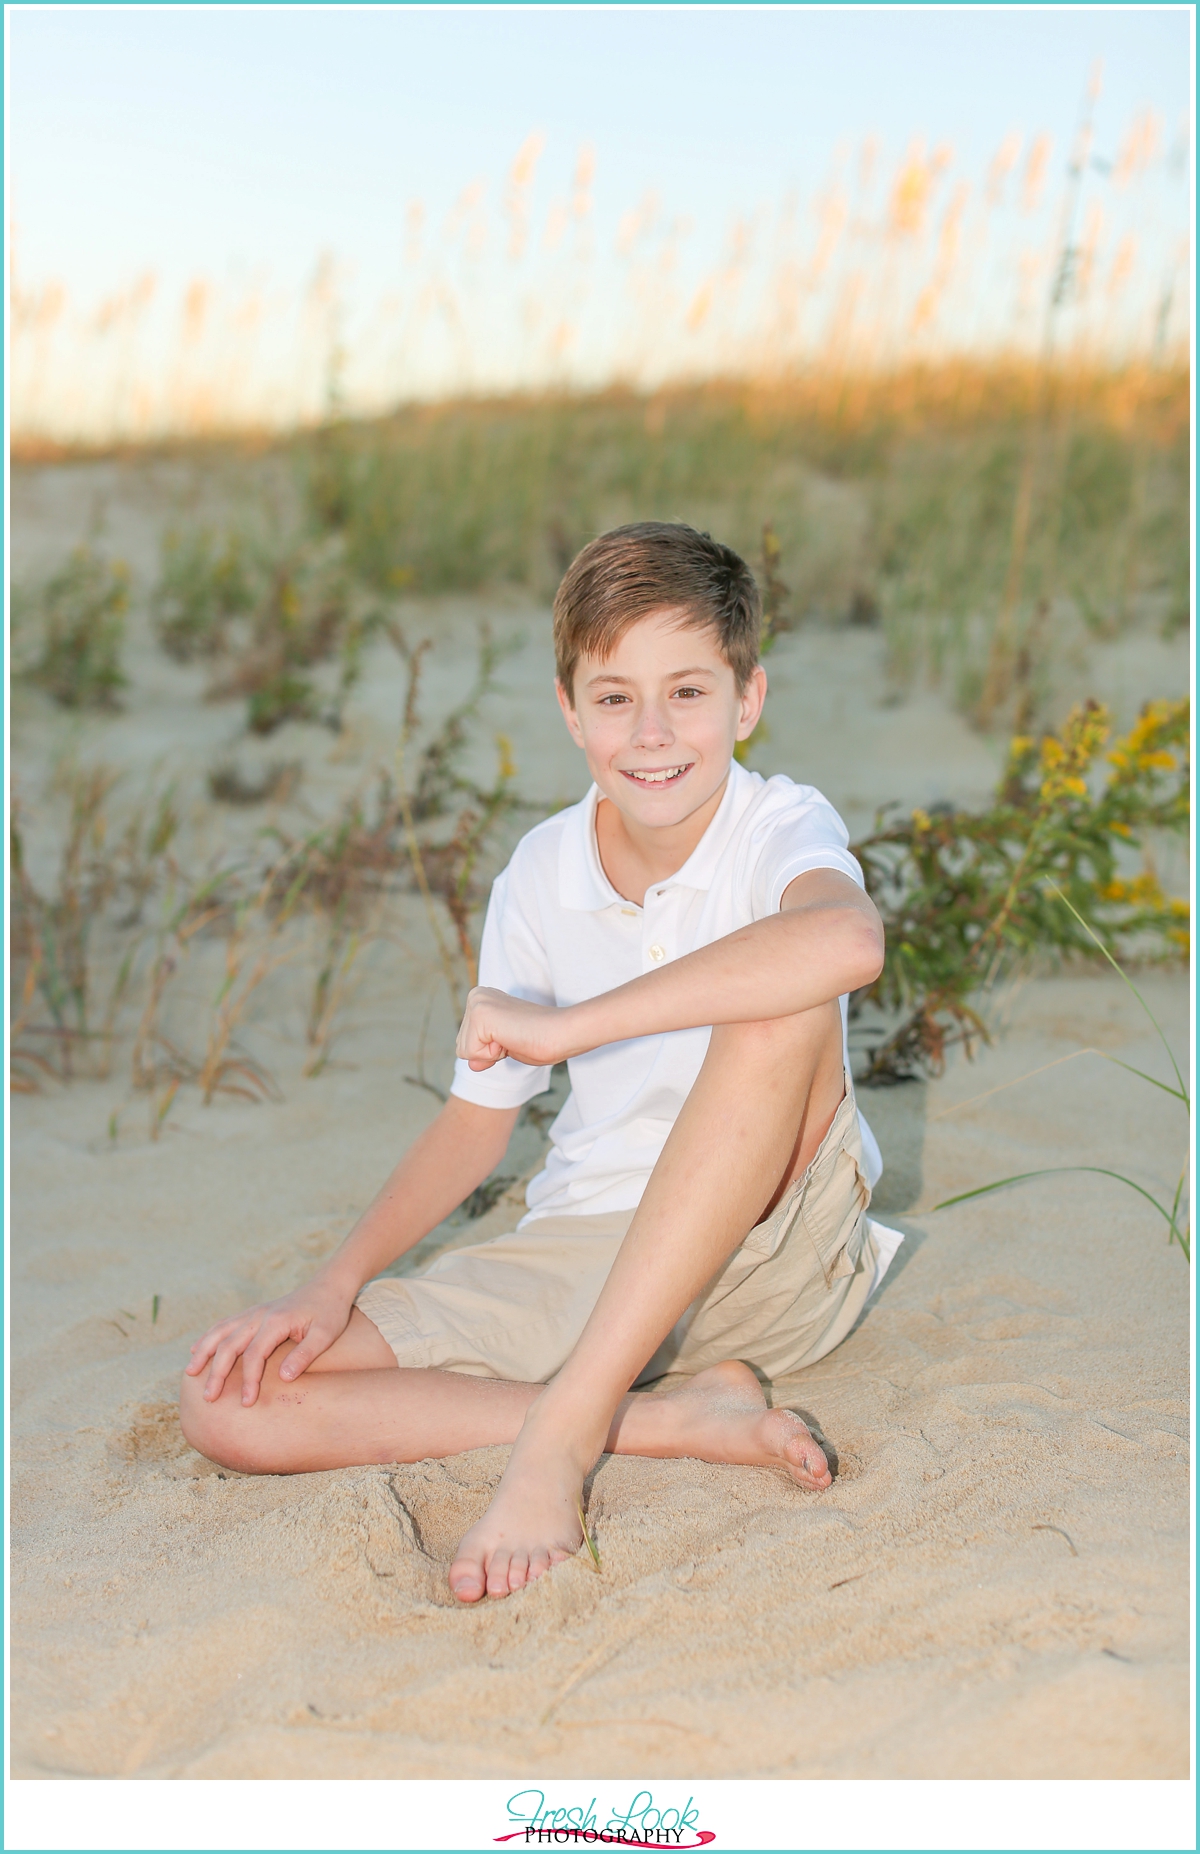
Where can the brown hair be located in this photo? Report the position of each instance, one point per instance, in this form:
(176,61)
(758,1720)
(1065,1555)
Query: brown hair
(653,566)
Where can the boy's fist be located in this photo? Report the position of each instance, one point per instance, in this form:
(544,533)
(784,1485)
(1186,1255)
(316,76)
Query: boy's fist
(495,1025)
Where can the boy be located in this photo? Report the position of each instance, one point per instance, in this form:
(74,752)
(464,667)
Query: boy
(684,938)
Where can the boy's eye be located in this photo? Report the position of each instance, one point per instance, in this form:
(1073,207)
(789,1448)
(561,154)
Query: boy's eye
(689,692)
(608,700)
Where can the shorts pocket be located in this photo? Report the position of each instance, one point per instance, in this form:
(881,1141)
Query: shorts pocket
(833,1214)
(818,1202)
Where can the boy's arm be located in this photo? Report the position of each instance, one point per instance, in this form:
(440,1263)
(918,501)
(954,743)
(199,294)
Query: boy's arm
(456,1152)
(826,939)
(442,1167)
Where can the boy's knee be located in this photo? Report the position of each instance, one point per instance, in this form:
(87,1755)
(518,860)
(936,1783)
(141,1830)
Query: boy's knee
(806,1030)
(220,1430)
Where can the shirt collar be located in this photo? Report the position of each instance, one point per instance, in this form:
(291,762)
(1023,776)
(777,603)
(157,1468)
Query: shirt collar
(582,882)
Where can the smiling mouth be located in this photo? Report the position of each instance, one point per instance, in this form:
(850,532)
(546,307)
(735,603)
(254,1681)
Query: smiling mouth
(660,775)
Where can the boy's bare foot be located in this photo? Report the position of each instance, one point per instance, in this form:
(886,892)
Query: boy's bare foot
(533,1523)
(722,1415)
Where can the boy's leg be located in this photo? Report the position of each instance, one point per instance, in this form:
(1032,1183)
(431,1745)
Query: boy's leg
(763,1101)
(353,1405)
(352,1408)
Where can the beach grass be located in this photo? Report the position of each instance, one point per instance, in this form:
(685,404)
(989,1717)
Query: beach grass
(894,501)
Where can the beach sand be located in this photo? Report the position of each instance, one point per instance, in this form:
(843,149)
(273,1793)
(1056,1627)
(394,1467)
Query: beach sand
(996,1584)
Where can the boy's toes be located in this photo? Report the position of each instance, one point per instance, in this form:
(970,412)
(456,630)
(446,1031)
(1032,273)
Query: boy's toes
(810,1467)
(497,1573)
(518,1570)
(467,1580)
(802,1452)
(539,1564)
(809,1464)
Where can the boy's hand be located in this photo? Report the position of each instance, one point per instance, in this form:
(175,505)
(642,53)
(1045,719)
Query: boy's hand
(314,1316)
(495,1025)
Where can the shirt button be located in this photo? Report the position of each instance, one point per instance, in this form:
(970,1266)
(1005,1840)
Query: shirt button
(658,952)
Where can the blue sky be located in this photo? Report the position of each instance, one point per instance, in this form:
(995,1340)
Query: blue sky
(241,142)
(201,139)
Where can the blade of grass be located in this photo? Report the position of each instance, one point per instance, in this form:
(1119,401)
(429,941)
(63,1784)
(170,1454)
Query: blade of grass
(1119,969)
(588,1540)
(1178,1195)
(973,1100)
(1047,1170)
(1166,1087)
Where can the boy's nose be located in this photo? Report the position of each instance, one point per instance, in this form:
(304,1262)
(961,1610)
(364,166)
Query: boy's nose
(652,728)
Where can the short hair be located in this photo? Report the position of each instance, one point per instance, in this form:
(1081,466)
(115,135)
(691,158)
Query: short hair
(651,566)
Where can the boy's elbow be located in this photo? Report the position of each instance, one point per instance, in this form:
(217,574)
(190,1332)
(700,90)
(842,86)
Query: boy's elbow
(864,952)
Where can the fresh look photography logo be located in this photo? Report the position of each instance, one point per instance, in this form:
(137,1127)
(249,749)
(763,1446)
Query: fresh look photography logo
(643,1823)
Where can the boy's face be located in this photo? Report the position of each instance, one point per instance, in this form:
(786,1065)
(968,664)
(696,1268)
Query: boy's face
(658,718)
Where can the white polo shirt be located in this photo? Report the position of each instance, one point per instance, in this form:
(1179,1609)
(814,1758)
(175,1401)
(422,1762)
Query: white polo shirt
(557,932)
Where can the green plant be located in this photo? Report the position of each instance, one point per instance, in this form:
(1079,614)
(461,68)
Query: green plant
(268,616)
(964,896)
(253,951)
(158,1065)
(206,581)
(309,611)
(230,784)
(776,592)
(285,696)
(83,610)
(100,872)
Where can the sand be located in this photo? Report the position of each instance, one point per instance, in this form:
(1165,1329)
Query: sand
(996,1585)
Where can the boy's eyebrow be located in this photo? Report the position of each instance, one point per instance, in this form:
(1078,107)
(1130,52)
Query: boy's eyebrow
(627,681)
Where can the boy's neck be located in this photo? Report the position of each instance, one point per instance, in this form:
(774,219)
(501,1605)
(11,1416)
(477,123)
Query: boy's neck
(634,858)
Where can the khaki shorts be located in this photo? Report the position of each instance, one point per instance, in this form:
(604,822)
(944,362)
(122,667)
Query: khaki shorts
(514,1307)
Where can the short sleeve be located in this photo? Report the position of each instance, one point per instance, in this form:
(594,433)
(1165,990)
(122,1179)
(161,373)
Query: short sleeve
(803,833)
(512,959)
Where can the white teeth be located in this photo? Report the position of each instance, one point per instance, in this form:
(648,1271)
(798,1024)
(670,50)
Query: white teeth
(658,778)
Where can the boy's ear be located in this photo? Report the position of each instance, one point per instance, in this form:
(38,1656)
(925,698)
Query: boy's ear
(569,715)
(753,696)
